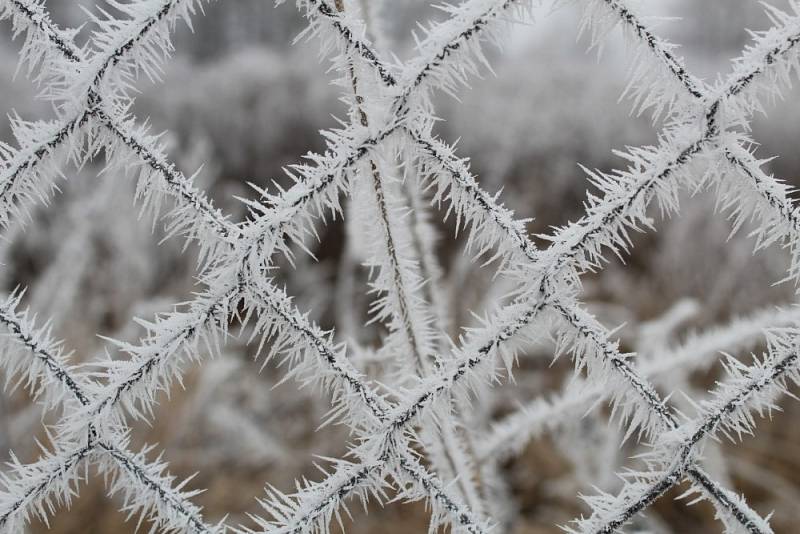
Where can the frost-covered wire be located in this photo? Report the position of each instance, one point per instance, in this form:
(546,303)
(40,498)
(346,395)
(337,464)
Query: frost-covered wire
(91,90)
(35,489)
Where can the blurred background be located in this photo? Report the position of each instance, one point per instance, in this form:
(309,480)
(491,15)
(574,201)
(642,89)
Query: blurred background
(241,100)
